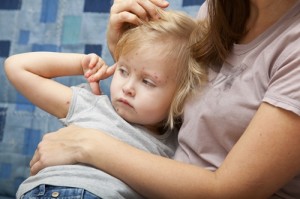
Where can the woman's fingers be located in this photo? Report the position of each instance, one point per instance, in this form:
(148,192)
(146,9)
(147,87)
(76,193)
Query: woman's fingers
(143,9)
(124,12)
(34,159)
(151,6)
(54,149)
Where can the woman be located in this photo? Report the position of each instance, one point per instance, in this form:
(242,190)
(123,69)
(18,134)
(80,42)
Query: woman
(240,137)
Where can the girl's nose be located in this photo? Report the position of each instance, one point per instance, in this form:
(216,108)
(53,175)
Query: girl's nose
(128,89)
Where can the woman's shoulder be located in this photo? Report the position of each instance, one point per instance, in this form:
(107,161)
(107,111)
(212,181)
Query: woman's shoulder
(202,13)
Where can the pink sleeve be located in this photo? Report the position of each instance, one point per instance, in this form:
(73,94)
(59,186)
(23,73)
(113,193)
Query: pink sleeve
(202,11)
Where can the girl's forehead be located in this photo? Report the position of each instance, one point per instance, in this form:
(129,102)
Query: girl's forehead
(147,58)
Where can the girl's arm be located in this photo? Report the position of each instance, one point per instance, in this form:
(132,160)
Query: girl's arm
(31,74)
(264,159)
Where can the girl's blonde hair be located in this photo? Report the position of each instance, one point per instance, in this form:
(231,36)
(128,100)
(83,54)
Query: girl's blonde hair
(175,31)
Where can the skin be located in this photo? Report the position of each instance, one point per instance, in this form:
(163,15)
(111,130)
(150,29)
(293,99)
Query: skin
(242,174)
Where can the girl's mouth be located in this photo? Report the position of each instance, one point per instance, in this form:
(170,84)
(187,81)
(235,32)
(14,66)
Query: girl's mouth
(125,102)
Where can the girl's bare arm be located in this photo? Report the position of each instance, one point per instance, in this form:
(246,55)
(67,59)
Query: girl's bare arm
(31,74)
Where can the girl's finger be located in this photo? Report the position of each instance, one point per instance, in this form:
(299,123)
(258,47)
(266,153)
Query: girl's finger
(110,70)
(94,59)
(99,74)
(95,87)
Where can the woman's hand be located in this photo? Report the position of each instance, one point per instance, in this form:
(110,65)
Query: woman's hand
(130,12)
(63,147)
(95,69)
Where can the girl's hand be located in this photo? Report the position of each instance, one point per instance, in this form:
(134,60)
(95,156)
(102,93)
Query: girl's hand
(124,12)
(95,69)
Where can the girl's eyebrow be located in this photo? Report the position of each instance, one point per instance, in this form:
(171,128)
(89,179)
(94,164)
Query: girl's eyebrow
(121,63)
(155,76)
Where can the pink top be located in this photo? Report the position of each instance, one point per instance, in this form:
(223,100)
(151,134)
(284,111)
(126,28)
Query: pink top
(265,70)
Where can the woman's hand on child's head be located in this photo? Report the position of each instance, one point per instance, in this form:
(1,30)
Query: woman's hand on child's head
(124,12)
(95,69)
(133,11)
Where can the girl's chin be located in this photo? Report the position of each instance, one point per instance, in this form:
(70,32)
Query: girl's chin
(123,113)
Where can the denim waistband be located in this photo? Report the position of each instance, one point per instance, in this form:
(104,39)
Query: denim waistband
(56,192)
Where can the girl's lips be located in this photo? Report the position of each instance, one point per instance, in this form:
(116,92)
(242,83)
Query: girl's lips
(123,101)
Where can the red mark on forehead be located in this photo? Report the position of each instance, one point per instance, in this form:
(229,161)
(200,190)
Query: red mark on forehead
(155,75)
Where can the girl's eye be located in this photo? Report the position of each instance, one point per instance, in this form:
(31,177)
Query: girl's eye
(148,82)
(123,72)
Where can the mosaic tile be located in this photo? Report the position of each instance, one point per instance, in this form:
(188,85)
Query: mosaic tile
(10,4)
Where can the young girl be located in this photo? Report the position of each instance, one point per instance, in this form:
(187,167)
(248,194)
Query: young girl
(153,76)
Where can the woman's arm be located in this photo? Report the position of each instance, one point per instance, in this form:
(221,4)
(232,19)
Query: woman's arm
(263,160)
(31,74)
(130,12)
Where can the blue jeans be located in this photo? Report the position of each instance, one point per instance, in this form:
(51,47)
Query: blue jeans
(57,192)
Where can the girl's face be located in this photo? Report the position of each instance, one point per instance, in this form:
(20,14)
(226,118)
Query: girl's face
(143,86)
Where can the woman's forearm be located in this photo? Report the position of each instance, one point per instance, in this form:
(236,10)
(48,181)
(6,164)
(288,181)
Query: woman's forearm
(256,167)
(153,176)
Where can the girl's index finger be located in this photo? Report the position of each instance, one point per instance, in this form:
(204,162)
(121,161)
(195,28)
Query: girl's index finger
(110,71)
